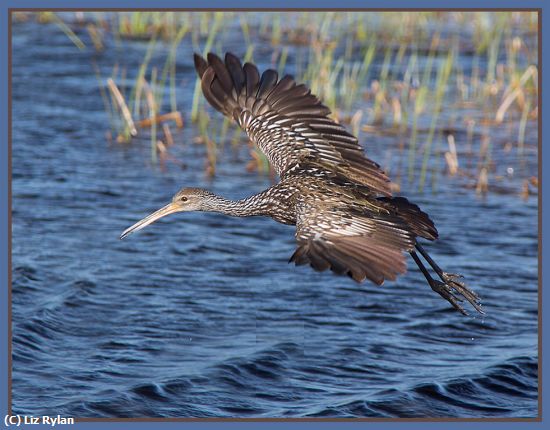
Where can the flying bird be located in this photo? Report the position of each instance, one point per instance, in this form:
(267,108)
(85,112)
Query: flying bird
(339,200)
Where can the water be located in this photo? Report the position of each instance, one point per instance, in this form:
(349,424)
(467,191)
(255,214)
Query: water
(200,315)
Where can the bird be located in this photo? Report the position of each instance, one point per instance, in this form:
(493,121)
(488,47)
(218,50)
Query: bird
(340,201)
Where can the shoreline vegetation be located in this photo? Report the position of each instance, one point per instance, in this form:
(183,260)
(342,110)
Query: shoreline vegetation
(451,94)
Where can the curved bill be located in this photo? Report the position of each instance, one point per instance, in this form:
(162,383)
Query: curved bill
(166,210)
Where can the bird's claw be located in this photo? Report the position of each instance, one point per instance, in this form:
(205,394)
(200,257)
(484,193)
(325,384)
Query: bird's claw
(446,291)
(452,283)
(451,276)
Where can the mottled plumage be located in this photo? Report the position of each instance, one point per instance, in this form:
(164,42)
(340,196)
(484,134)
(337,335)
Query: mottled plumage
(288,123)
(340,201)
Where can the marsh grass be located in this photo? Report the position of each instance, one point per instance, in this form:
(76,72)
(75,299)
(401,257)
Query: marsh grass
(442,84)
(144,107)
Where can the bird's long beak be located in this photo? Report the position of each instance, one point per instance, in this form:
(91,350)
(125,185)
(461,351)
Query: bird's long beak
(170,208)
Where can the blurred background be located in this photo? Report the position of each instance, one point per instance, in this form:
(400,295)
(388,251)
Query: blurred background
(200,315)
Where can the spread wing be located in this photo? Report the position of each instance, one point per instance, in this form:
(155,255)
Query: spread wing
(352,241)
(288,123)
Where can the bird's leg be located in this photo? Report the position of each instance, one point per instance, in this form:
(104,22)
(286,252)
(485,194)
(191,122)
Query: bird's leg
(443,275)
(451,280)
(443,289)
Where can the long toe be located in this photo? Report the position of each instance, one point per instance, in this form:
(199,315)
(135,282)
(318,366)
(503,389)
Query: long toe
(460,288)
(445,291)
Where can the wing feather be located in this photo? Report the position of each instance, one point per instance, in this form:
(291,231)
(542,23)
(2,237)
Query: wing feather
(200,64)
(236,71)
(288,123)
(351,240)
(267,84)
(252,78)
(221,73)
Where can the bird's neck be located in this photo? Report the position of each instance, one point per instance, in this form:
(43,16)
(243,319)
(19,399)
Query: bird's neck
(251,206)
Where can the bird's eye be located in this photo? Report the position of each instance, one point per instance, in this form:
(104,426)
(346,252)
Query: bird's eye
(183,199)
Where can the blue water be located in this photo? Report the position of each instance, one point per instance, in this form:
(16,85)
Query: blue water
(200,315)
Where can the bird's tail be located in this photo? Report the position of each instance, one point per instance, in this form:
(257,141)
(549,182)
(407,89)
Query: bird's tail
(419,222)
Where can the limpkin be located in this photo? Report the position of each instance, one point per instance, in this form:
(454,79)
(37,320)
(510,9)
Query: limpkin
(340,201)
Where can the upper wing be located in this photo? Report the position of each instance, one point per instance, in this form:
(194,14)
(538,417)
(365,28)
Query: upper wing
(288,123)
(350,240)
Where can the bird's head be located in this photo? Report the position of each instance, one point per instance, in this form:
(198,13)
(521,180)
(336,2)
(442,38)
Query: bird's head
(185,200)
(192,199)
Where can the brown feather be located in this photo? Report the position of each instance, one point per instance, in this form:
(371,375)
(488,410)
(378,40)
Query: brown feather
(266,107)
(221,72)
(200,64)
(252,78)
(236,71)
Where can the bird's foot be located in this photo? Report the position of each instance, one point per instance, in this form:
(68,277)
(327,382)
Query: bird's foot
(447,292)
(452,283)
